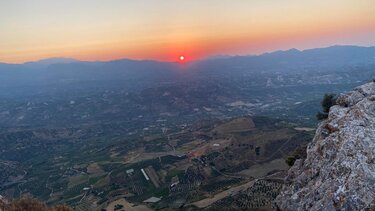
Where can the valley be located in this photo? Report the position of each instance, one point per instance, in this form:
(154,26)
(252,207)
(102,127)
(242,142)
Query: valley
(195,137)
(177,168)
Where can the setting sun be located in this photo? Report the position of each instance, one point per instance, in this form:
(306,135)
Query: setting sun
(187,104)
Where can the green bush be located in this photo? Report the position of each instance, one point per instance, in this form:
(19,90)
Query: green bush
(321,116)
(328,101)
(290,160)
(298,153)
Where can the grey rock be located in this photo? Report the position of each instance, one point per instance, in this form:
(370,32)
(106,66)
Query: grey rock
(339,171)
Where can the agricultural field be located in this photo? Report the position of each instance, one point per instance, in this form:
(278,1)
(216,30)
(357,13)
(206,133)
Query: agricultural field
(198,166)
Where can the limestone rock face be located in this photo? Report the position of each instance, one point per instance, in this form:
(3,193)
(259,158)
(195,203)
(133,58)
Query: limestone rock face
(339,171)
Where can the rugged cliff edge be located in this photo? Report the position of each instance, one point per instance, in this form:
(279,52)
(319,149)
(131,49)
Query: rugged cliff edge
(339,171)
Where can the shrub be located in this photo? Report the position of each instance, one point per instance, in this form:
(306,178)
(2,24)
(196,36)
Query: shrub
(28,203)
(60,208)
(321,116)
(328,101)
(298,153)
(290,160)
(32,204)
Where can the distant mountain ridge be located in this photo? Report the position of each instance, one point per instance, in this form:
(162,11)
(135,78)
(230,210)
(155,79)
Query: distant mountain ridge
(53,60)
(330,56)
(307,63)
(333,52)
(336,50)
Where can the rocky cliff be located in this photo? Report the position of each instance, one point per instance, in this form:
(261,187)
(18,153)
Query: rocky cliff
(339,171)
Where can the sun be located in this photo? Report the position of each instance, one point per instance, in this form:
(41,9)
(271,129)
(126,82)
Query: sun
(182,58)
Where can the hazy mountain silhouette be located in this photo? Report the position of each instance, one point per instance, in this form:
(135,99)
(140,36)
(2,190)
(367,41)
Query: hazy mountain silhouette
(54,60)
(63,70)
(335,56)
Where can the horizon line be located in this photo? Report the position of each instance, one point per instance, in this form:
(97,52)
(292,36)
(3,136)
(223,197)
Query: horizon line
(195,60)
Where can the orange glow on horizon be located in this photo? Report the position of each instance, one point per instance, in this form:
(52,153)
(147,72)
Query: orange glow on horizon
(44,29)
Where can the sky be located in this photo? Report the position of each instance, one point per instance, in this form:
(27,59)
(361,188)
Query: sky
(167,29)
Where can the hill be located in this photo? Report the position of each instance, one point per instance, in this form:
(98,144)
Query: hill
(339,171)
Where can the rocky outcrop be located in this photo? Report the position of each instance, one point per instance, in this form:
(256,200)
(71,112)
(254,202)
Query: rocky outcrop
(339,171)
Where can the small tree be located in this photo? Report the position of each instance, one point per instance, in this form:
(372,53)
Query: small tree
(328,101)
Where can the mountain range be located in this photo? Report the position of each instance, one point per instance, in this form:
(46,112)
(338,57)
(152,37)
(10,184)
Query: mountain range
(55,70)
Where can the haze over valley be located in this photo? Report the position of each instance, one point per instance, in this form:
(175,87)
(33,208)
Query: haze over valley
(187,105)
(68,125)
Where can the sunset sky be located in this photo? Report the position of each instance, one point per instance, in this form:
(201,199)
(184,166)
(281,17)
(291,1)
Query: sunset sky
(166,29)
